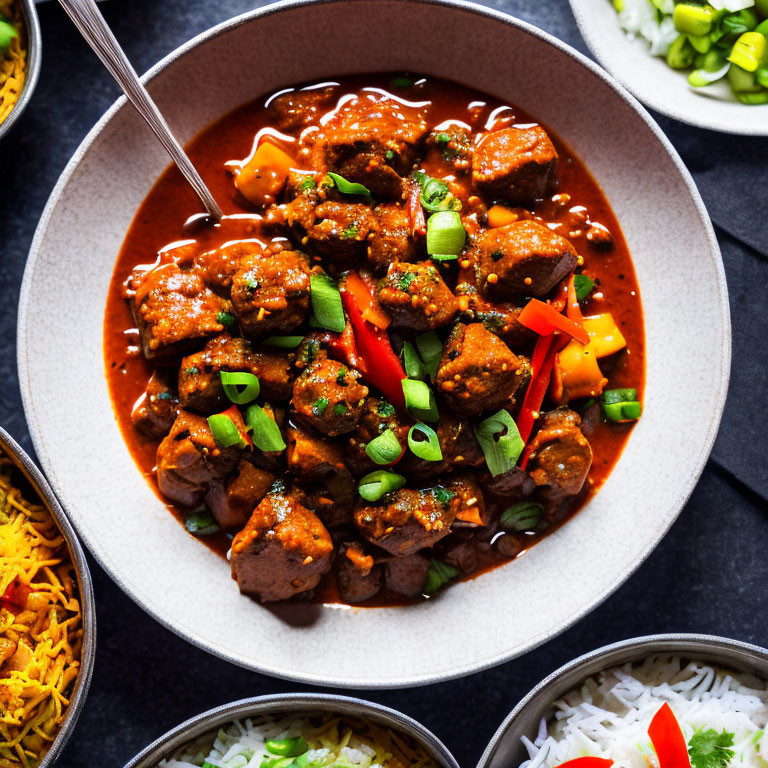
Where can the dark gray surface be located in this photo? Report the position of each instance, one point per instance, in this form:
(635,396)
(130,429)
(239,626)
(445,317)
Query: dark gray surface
(708,575)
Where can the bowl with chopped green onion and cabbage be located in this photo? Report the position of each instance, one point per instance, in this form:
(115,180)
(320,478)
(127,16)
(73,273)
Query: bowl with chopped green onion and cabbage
(704,63)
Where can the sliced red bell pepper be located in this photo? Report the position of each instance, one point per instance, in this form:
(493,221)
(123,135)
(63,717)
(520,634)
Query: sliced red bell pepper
(416,211)
(15,596)
(668,740)
(342,347)
(381,365)
(587,762)
(236,418)
(544,320)
(541,368)
(366,302)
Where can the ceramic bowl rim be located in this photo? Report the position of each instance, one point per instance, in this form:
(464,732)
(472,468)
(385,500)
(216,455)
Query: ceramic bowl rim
(178,736)
(85,583)
(34,61)
(663,107)
(457,6)
(639,647)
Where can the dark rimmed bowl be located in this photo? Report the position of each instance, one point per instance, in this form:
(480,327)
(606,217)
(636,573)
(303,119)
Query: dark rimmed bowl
(297,703)
(26,466)
(506,750)
(34,59)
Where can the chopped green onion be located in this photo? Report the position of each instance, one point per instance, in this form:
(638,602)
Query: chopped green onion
(402,82)
(431,350)
(283,342)
(621,405)
(349,187)
(681,53)
(692,19)
(385,448)
(429,449)
(340,409)
(375,484)
(501,442)
(224,431)
(436,194)
(439,575)
(7,33)
(385,409)
(420,400)
(239,386)
(583,285)
(308,184)
(443,495)
(414,367)
(265,433)
(445,234)
(444,256)
(319,406)
(523,516)
(201,523)
(287,747)
(326,302)
(226,319)
(442,138)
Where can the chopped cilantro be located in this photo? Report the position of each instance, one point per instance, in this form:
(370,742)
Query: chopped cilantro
(438,575)
(350,233)
(308,184)
(496,255)
(385,409)
(193,371)
(443,495)
(583,285)
(405,280)
(225,319)
(442,138)
(340,376)
(390,155)
(340,409)
(319,406)
(164,396)
(710,749)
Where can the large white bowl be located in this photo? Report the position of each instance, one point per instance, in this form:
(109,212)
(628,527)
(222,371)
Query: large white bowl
(475,624)
(657,85)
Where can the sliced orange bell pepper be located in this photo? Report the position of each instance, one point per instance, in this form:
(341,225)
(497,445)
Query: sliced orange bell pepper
(366,302)
(544,319)
(500,216)
(265,173)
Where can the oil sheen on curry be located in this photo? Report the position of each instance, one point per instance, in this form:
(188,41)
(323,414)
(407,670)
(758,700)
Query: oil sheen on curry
(412,347)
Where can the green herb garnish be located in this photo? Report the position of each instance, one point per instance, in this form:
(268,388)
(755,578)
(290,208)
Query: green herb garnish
(319,406)
(710,749)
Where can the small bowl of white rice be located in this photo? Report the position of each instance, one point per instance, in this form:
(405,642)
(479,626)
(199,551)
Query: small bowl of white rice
(297,731)
(708,694)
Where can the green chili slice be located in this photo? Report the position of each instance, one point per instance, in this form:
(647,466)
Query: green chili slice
(239,386)
(427,448)
(375,484)
(385,448)
(439,575)
(224,431)
(524,516)
(501,442)
(287,747)
(349,187)
(265,433)
(326,302)
(420,400)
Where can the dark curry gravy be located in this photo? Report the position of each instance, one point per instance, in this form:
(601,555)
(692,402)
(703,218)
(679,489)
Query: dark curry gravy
(160,221)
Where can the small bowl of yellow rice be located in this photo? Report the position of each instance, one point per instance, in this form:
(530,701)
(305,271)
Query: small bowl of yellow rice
(20,56)
(47,617)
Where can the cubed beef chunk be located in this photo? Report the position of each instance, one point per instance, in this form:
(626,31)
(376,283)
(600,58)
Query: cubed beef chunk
(340,232)
(296,109)
(458,444)
(469,498)
(522,259)
(271,293)
(407,520)
(455,145)
(407,575)
(416,297)
(232,501)
(219,266)
(393,240)
(174,311)
(154,414)
(560,455)
(200,373)
(512,485)
(356,575)
(283,550)
(377,416)
(516,164)
(328,397)
(478,371)
(188,459)
(371,140)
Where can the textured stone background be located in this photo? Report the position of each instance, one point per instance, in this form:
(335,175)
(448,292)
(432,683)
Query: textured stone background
(708,575)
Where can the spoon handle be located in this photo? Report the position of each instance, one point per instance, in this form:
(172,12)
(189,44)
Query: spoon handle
(91,24)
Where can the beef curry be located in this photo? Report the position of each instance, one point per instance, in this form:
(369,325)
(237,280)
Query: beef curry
(412,347)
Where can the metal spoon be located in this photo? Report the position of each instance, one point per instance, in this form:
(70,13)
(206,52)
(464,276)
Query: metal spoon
(98,35)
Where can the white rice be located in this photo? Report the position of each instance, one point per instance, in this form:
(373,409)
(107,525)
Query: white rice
(609,715)
(242,744)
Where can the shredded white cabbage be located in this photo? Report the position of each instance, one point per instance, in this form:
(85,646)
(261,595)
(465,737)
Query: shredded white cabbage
(731,5)
(639,18)
(609,715)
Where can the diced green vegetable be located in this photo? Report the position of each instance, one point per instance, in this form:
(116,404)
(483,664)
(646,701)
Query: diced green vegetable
(427,448)
(439,575)
(583,285)
(326,302)
(239,386)
(500,441)
(265,434)
(748,51)
(283,342)
(414,367)
(693,19)
(350,187)
(200,523)
(375,484)
(680,54)
(7,33)
(523,516)
(292,747)
(621,405)
(445,234)
(431,350)
(420,400)
(224,431)
(385,448)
